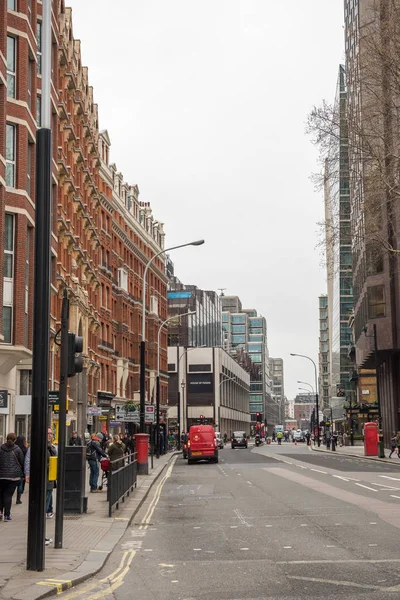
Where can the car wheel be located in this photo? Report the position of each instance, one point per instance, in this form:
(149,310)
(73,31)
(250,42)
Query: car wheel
(216,459)
(190,461)
(232,447)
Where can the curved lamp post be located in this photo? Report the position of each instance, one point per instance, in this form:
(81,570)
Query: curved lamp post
(316,390)
(143,341)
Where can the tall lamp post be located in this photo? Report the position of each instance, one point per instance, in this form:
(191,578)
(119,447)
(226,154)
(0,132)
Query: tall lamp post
(316,391)
(191,312)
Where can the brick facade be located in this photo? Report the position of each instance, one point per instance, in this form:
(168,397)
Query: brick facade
(102,235)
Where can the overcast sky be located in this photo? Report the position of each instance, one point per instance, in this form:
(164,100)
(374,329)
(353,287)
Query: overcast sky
(205,102)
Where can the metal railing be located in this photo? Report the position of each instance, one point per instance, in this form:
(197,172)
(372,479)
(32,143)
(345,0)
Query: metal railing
(121,480)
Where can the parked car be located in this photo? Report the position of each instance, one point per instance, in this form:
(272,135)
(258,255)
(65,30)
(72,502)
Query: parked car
(220,441)
(239,439)
(202,444)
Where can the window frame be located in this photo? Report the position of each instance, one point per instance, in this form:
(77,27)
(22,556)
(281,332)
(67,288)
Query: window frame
(12,71)
(11,161)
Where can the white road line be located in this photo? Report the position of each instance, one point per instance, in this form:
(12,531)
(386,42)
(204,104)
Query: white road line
(340,477)
(196,527)
(304,525)
(244,548)
(249,482)
(373,523)
(287,547)
(366,487)
(330,546)
(301,467)
(268,526)
(318,471)
(393,496)
(196,549)
(392,478)
(372,545)
(383,485)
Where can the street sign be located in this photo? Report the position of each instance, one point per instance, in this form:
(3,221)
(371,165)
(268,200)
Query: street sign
(3,398)
(94,411)
(149,414)
(131,413)
(54,396)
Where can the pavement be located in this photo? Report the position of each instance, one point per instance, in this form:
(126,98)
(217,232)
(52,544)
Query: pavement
(358,452)
(88,542)
(278,523)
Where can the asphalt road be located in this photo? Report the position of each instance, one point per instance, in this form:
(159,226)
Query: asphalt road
(269,522)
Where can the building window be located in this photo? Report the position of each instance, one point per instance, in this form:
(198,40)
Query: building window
(239,319)
(39,111)
(376,301)
(25,382)
(27,265)
(7,324)
(39,46)
(29,168)
(10,155)
(12,4)
(11,66)
(9,246)
(238,328)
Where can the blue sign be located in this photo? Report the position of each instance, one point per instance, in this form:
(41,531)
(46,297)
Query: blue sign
(172,295)
(115,424)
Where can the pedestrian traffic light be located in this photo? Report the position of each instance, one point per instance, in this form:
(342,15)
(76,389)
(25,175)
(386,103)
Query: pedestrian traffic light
(258,415)
(75,346)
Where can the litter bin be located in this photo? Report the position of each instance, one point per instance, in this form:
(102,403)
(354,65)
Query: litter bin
(75,500)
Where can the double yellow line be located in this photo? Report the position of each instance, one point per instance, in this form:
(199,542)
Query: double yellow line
(157,495)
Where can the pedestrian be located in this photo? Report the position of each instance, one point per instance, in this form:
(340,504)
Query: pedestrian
(51,485)
(75,440)
(308,438)
(21,443)
(116,451)
(398,443)
(49,488)
(11,472)
(94,452)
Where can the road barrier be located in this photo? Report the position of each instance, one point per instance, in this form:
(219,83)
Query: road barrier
(121,480)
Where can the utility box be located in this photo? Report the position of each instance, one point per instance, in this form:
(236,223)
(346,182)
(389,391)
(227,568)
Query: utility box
(75,499)
(371,439)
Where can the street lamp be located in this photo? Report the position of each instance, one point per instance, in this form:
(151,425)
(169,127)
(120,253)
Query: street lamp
(316,390)
(309,384)
(143,341)
(191,312)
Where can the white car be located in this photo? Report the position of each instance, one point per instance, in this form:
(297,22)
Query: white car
(220,442)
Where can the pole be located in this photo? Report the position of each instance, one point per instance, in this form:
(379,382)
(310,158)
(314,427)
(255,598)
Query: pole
(381,447)
(41,315)
(142,385)
(62,423)
(179,419)
(158,416)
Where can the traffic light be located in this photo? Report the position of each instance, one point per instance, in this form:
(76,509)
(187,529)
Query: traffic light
(75,346)
(258,415)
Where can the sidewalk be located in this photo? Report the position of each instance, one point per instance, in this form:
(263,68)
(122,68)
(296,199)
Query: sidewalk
(88,541)
(358,452)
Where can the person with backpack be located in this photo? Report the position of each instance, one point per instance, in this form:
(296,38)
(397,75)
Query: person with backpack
(94,452)
(11,473)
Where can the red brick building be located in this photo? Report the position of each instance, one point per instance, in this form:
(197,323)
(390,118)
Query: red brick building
(102,235)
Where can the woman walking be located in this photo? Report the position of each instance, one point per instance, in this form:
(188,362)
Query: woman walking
(393,444)
(21,443)
(11,472)
(116,451)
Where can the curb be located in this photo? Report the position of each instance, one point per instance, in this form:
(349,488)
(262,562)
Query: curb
(373,458)
(94,560)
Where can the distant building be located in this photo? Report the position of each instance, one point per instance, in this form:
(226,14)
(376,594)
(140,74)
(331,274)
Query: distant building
(278,387)
(324,353)
(245,331)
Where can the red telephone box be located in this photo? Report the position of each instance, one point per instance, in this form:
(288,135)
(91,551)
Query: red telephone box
(371,439)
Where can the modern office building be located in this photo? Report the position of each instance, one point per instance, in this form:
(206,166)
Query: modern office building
(245,331)
(102,236)
(339,305)
(203,328)
(374,203)
(278,386)
(207,383)
(324,354)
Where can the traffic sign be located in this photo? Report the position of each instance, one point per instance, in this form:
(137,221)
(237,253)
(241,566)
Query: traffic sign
(131,413)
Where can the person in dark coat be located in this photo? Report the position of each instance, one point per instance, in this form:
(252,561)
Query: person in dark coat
(94,452)
(21,443)
(116,451)
(75,440)
(11,472)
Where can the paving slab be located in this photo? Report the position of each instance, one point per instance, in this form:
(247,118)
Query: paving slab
(87,543)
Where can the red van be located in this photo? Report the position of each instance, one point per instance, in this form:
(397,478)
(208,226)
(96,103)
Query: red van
(202,444)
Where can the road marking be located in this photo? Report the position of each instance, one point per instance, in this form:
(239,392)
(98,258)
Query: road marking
(241,517)
(330,546)
(337,523)
(244,548)
(175,581)
(196,549)
(157,495)
(373,523)
(393,496)
(268,526)
(148,550)
(392,478)
(366,487)
(372,545)
(340,477)
(234,526)
(301,467)
(388,488)
(196,527)
(333,582)
(304,525)
(337,562)
(287,547)
(318,471)
(249,482)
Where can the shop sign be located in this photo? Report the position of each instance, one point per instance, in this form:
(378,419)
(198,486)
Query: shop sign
(104,398)
(103,418)
(94,411)
(54,396)
(3,398)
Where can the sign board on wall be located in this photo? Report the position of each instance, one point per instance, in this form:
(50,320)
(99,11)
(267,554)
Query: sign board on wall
(3,398)
(200,383)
